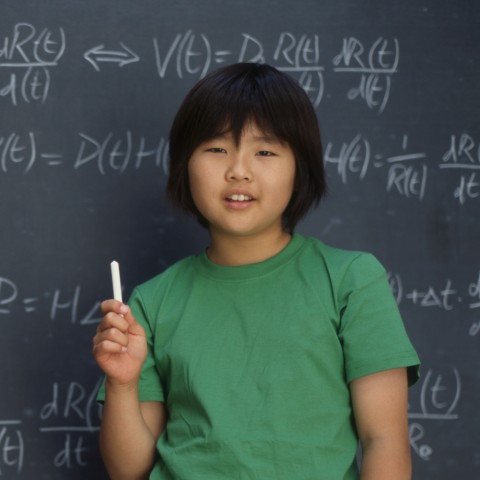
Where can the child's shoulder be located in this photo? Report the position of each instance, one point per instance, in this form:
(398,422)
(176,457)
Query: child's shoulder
(163,280)
(343,264)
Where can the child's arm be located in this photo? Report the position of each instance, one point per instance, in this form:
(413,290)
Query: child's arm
(380,404)
(129,429)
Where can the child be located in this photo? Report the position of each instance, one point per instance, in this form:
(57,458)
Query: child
(269,355)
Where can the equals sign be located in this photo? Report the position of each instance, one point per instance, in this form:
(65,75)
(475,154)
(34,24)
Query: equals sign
(378,161)
(27,302)
(52,159)
(220,54)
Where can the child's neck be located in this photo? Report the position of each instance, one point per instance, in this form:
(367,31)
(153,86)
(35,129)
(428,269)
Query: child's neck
(236,251)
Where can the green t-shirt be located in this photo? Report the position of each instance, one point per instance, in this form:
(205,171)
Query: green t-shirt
(254,361)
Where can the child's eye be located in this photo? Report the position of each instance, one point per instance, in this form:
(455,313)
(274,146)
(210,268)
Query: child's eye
(216,150)
(265,153)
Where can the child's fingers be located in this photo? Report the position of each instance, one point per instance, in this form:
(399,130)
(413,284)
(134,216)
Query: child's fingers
(113,320)
(112,334)
(117,324)
(133,326)
(117,327)
(108,347)
(112,305)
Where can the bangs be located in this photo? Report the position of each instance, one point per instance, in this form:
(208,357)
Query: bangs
(232,103)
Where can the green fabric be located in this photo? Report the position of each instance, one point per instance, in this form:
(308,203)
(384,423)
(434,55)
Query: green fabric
(254,361)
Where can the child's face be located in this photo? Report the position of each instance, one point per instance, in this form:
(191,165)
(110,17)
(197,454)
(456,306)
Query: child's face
(242,189)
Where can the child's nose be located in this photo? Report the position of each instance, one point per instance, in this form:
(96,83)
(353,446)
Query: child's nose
(239,169)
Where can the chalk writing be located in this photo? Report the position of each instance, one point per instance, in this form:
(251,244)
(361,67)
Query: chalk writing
(463,155)
(375,65)
(31,85)
(407,170)
(353,158)
(396,285)
(71,404)
(121,57)
(11,447)
(382,56)
(30,54)
(474,295)
(468,188)
(27,47)
(57,303)
(8,294)
(193,54)
(404,176)
(71,454)
(72,412)
(417,433)
(71,415)
(445,296)
(301,54)
(440,394)
(463,152)
(183,48)
(114,153)
(17,152)
(433,297)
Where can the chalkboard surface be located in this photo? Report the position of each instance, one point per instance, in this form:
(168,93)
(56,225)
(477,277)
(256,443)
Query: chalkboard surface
(88,90)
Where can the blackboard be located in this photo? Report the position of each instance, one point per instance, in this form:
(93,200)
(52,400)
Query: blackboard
(88,90)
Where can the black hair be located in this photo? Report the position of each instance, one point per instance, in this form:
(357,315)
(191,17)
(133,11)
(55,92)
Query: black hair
(225,101)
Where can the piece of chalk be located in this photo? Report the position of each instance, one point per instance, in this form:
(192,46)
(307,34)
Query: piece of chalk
(116,283)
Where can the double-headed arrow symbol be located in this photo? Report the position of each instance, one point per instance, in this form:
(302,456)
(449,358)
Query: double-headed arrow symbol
(100,54)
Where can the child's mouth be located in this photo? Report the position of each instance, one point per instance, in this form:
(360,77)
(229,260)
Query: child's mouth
(239,198)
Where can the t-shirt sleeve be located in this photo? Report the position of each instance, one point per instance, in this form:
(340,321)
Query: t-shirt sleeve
(371,330)
(150,385)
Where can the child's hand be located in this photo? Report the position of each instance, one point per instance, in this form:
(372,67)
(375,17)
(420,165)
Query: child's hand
(120,346)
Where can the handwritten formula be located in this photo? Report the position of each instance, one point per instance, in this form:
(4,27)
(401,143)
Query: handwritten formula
(57,304)
(193,54)
(27,56)
(110,154)
(439,397)
(443,295)
(407,170)
(70,414)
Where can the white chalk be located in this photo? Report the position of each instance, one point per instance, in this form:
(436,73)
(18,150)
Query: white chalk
(116,283)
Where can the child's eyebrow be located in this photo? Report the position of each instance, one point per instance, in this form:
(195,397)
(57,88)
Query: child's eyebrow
(263,138)
(270,139)
(220,136)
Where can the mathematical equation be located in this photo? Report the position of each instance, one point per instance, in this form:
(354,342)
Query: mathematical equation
(57,304)
(407,169)
(71,413)
(440,394)
(373,65)
(34,53)
(27,56)
(113,153)
(445,296)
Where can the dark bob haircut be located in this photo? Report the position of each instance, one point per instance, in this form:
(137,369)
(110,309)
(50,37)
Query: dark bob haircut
(225,101)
